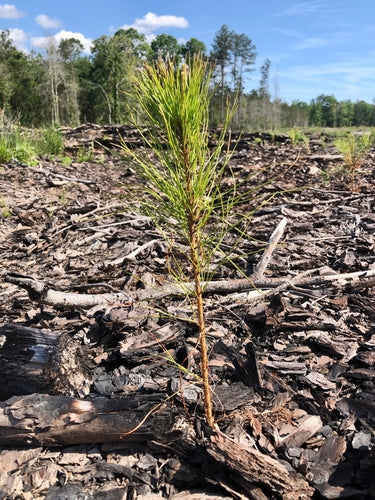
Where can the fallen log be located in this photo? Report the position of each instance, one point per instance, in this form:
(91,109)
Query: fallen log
(41,292)
(53,421)
(40,419)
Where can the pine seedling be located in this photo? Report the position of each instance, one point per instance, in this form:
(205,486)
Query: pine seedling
(181,182)
(354,148)
(297,137)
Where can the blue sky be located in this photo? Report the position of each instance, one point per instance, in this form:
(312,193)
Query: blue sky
(315,47)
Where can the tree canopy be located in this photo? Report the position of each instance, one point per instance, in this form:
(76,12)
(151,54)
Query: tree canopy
(64,86)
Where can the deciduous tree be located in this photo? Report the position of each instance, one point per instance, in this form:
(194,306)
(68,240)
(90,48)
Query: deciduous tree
(193,47)
(114,61)
(165,47)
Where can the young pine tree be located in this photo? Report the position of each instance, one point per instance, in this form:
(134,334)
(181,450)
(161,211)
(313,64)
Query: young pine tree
(182,181)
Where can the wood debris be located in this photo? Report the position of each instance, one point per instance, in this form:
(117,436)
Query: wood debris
(100,393)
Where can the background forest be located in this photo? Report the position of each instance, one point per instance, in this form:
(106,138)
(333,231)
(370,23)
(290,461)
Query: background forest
(65,87)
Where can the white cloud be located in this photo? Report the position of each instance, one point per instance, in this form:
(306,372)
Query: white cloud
(8,11)
(47,22)
(18,38)
(357,70)
(42,42)
(152,22)
(287,32)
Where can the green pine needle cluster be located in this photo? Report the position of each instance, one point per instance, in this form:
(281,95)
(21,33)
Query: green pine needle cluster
(354,148)
(182,179)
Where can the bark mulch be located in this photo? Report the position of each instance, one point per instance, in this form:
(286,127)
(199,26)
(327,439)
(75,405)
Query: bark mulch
(100,396)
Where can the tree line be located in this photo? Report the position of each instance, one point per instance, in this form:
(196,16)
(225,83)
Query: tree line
(65,87)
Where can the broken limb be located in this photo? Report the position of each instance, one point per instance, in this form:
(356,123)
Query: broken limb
(40,291)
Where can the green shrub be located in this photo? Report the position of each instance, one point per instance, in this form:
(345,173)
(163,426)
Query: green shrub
(15,146)
(297,137)
(66,161)
(25,153)
(5,211)
(85,153)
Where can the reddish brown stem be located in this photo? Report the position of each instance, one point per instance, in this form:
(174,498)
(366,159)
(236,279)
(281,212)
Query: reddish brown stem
(195,252)
(195,247)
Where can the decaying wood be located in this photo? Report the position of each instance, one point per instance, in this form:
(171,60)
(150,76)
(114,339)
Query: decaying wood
(307,428)
(259,470)
(41,292)
(40,419)
(24,353)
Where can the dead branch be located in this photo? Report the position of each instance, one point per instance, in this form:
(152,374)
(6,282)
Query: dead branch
(267,255)
(40,291)
(326,157)
(50,174)
(132,255)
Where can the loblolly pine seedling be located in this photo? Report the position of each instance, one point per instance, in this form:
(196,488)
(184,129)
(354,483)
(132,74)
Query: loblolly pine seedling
(354,148)
(297,137)
(181,182)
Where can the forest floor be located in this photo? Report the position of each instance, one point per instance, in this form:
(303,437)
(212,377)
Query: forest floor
(291,356)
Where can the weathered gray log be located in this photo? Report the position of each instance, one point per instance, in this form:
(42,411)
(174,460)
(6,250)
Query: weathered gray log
(40,291)
(39,360)
(251,468)
(40,419)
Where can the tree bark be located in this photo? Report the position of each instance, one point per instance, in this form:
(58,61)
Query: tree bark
(40,419)
(53,421)
(254,469)
(24,354)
